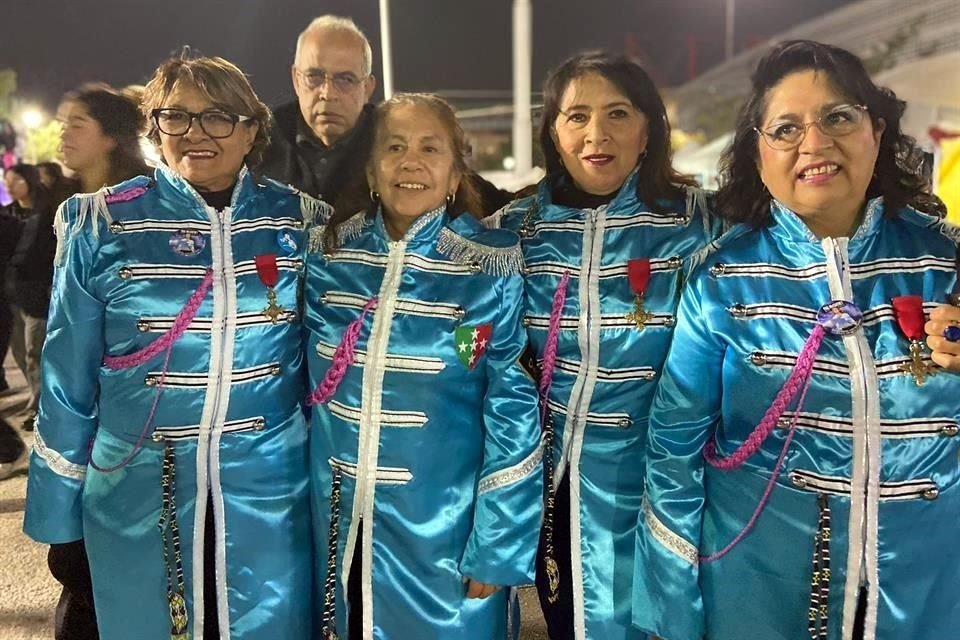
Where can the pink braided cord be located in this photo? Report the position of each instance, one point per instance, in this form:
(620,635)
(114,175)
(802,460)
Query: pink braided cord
(164,342)
(799,377)
(125,196)
(799,380)
(342,358)
(550,348)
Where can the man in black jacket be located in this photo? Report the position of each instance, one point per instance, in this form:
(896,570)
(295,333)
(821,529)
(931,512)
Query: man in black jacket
(320,142)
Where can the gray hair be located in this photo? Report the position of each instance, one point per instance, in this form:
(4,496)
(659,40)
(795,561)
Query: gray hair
(342,25)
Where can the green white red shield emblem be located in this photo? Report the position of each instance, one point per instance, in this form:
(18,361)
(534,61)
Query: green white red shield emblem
(471,343)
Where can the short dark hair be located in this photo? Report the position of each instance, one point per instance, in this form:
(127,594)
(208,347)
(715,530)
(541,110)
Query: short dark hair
(657,178)
(898,173)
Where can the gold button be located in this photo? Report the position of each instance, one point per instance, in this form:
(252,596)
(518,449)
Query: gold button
(718,269)
(798,481)
(758,358)
(526,322)
(459,313)
(670,321)
(126,273)
(675,262)
(157,436)
(150,381)
(259,424)
(783,423)
(475,267)
(950,430)
(649,375)
(116,227)
(143,326)
(738,310)
(275,370)
(623,422)
(298,224)
(682,220)
(931,494)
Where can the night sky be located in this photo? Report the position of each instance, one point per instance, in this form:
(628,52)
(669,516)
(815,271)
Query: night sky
(55,45)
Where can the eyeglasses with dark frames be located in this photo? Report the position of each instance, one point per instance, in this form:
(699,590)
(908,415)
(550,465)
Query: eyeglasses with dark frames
(213,122)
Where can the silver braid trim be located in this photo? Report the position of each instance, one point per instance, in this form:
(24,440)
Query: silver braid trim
(348,230)
(495,261)
(674,543)
(511,475)
(57,463)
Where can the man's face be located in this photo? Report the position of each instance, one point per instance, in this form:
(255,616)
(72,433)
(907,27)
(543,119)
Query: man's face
(330,83)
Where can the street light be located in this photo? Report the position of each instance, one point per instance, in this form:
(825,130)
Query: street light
(32,117)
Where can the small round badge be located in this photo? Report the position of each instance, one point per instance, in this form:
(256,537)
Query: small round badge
(187,243)
(286,241)
(839,317)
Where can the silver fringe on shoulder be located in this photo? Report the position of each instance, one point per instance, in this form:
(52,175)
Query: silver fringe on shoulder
(348,230)
(314,210)
(495,261)
(90,206)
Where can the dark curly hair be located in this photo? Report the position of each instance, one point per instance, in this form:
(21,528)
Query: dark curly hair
(898,175)
(657,178)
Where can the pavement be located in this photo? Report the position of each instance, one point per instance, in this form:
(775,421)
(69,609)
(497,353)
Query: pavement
(28,594)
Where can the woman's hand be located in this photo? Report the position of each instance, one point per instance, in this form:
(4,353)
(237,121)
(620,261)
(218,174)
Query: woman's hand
(946,353)
(480,590)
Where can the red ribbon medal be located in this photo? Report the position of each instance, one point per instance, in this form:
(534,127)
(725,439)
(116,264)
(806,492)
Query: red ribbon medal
(269,274)
(908,310)
(638,273)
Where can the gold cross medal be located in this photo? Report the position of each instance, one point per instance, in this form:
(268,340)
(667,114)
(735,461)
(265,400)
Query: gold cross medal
(908,311)
(638,273)
(269,275)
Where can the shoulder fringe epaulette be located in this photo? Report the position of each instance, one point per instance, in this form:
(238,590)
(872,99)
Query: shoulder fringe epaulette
(314,210)
(696,199)
(89,206)
(495,261)
(348,230)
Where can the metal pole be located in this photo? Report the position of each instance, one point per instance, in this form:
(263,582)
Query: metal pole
(385,49)
(728,31)
(522,121)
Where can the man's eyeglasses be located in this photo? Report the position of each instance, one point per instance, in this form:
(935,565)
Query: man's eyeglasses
(838,121)
(316,78)
(214,123)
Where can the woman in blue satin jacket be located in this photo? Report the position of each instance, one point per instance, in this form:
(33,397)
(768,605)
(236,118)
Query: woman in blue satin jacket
(607,241)
(802,477)
(170,436)
(425,443)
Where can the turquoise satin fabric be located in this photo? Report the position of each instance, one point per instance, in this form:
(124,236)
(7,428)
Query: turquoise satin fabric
(230,408)
(448,457)
(866,430)
(607,370)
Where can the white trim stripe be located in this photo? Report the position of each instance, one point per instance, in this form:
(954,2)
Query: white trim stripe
(408,307)
(840,486)
(176,380)
(413,419)
(193,431)
(619,420)
(608,374)
(392,361)
(56,461)
(245,268)
(609,321)
(860,271)
(161,324)
(891,429)
(384,475)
